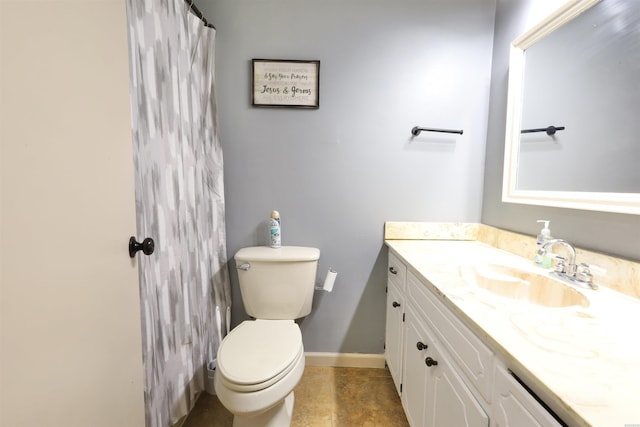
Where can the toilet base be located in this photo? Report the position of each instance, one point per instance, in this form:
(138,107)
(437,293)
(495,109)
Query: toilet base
(278,416)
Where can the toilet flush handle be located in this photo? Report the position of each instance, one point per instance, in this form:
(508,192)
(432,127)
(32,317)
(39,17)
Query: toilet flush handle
(244,267)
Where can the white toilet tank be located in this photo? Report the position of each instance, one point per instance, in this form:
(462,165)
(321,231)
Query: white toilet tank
(277,284)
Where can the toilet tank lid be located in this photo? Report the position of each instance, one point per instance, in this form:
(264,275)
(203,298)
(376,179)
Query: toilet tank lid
(283,254)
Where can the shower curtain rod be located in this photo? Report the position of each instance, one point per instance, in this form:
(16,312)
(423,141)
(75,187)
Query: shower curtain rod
(199,14)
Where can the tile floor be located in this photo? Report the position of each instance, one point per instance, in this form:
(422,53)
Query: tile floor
(326,397)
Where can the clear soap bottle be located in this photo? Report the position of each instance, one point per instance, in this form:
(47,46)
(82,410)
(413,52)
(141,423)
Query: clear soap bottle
(544,236)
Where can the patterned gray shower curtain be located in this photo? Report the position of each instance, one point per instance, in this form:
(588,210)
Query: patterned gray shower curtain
(184,285)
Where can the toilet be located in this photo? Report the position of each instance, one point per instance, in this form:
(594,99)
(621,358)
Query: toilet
(260,361)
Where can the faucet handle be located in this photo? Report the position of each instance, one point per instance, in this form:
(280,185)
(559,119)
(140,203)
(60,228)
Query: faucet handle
(561,266)
(595,268)
(583,272)
(587,268)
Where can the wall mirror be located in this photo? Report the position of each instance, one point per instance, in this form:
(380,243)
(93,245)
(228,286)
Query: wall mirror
(573,109)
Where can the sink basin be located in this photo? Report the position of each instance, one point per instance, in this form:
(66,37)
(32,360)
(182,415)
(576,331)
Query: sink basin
(526,286)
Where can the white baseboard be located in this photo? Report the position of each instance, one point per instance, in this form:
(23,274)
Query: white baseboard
(345,360)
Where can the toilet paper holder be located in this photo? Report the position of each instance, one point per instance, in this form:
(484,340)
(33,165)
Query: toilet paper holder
(329,281)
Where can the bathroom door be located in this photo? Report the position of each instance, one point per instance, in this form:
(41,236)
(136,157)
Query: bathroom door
(70,317)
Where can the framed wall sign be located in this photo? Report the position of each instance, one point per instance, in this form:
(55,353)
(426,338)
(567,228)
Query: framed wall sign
(285,83)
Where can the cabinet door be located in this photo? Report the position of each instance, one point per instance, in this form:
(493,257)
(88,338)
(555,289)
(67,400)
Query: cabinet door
(397,272)
(415,374)
(514,406)
(393,333)
(449,400)
(473,358)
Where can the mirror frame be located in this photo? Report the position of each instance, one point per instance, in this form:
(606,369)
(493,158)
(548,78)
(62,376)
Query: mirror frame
(628,203)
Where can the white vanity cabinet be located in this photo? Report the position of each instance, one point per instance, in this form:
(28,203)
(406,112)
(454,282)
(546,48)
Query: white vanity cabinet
(416,375)
(393,333)
(473,358)
(514,406)
(396,280)
(445,374)
(434,394)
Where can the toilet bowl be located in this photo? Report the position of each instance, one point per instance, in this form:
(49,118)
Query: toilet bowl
(259,364)
(260,361)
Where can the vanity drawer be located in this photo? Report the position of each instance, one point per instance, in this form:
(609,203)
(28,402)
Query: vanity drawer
(397,272)
(473,357)
(514,405)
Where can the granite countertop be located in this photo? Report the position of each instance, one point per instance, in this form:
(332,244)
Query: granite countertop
(585,358)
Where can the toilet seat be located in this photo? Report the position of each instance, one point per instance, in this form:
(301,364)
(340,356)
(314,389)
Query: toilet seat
(257,354)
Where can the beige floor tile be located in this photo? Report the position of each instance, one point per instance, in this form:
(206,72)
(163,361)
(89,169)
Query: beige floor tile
(325,397)
(361,372)
(312,406)
(312,371)
(366,401)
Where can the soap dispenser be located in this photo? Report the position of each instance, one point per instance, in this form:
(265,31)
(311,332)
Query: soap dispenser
(543,261)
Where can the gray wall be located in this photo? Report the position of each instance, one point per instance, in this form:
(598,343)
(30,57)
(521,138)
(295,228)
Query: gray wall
(337,173)
(605,232)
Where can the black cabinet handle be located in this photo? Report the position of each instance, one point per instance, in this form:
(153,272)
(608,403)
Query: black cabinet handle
(421,346)
(395,304)
(393,270)
(147,246)
(430,362)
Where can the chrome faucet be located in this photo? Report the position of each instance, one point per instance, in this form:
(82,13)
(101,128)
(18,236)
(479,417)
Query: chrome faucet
(570,266)
(566,268)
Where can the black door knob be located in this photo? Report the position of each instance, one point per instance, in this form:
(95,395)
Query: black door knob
(421,346)
(395,304)
(430,362)
(147,246)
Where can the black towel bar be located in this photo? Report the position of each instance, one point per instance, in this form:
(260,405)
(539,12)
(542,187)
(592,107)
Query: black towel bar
(416,130)
(551,130)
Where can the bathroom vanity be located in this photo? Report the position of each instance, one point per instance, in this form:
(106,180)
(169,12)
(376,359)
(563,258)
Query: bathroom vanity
(478,336)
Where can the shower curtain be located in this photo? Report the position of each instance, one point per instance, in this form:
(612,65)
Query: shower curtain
(184,284)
